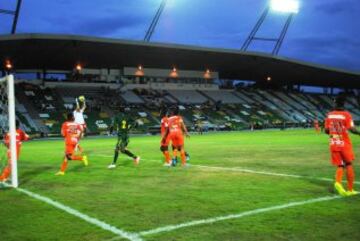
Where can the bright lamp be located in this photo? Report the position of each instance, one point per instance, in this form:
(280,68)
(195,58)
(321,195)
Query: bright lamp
(285,6)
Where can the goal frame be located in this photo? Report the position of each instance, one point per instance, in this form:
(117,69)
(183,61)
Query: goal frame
(9,79)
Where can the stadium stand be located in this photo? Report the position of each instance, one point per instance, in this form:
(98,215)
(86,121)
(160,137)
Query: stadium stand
(225,97)
(188,96)
(42,109)
(130,97)
(266,97)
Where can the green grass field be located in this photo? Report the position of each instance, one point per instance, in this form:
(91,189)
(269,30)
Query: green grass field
(150,196)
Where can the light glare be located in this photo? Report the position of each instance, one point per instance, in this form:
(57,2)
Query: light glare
(8,64)
(285,6)
(78,67)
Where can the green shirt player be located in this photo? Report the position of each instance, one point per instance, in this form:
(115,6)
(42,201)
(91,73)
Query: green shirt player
(122,123)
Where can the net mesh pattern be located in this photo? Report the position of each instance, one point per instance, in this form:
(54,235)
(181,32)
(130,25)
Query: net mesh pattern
(4,122)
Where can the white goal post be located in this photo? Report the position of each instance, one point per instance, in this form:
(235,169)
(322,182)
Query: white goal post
(8,120)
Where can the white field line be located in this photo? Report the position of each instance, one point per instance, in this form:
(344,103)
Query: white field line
(120,233)
(234,216)
(136,236)
(239,169)
(246,170)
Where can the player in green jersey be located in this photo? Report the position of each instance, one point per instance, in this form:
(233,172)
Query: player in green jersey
(122,123)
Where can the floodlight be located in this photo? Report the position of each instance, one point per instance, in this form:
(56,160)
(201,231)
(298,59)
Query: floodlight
(285,6)
(8,64)
(78,67)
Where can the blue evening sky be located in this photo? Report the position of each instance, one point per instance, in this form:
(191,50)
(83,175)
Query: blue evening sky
(324,31)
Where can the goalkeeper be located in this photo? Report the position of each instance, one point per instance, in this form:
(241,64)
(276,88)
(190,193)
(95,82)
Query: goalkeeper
(79,118)
(79,111)
(122,124)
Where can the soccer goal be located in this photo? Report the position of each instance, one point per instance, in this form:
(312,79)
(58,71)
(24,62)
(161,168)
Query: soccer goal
(7,125)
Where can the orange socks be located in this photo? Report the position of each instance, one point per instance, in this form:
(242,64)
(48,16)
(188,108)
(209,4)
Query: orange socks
(6,173)
(183,157)
(175,153)
(350,177)
(64,165)
(167,157)
(339,174)
(65,162)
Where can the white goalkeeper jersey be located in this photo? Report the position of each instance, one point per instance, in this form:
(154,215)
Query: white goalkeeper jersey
(79,117)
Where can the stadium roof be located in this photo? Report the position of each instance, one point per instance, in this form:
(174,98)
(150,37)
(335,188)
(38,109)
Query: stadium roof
(62,52)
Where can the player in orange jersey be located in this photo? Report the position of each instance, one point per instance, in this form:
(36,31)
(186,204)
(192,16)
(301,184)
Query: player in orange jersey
(337,124)
(71,133)
(164,146)
(20,137)
(175,132)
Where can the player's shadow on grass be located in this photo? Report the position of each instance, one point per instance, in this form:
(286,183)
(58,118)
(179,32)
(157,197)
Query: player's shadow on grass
(80,167)
(125,163)
(325,185)
(77,168)
(29,175)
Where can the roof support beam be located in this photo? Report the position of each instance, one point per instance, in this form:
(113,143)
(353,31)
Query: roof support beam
(155,21)
(15,13)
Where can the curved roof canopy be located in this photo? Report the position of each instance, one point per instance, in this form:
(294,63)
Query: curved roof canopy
(62,52)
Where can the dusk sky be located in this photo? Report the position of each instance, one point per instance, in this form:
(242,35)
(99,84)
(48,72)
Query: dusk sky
(324,31)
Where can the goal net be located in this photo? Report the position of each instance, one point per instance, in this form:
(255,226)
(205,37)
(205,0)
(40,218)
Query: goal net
(7,127)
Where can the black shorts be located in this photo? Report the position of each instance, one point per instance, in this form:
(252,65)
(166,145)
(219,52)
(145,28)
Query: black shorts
(123,141)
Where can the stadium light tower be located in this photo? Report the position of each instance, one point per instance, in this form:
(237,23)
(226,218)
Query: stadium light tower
(290,7)
(155,21)
(15,14)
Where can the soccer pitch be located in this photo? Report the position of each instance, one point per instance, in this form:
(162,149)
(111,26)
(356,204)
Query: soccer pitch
(265,185)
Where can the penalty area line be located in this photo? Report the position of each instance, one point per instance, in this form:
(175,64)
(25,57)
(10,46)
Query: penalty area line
(120,233)
(244,170)
(234,216)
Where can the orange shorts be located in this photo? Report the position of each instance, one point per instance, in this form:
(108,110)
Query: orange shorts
(339,158)
(177,139)
(167,141)
(70,148)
